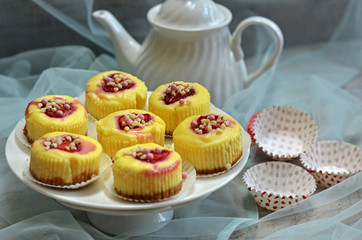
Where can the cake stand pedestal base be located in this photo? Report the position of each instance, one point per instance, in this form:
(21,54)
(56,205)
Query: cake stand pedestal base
(133,225)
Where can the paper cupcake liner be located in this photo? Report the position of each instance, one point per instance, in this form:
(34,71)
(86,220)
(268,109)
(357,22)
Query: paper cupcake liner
(186,184)
(284,132)
(275,185)
(250,128)
(106,163)
(19,132)
(331,162)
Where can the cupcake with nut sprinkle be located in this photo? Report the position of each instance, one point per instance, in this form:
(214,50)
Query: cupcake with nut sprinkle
(129,127)
(176,101)
(112,91)
(212,143)
(54,113)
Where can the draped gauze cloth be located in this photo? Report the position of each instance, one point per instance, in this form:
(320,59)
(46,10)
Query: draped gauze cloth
(324,80)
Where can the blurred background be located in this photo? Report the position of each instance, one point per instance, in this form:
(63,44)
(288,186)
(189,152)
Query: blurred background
(27,25)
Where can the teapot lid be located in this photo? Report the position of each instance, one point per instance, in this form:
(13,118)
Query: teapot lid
(190,15)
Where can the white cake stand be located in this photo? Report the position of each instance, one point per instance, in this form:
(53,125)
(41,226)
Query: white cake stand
(111,214)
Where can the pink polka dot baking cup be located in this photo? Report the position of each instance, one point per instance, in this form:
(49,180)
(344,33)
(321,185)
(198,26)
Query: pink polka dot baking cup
(250,128)
(284,132)
(275,185)
(331,162)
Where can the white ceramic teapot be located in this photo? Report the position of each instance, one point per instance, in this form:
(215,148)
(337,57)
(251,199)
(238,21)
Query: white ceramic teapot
(189,41)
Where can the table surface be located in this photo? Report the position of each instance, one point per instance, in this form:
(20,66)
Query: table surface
(263,229)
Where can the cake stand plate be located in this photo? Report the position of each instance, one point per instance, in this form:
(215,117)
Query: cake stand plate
(102,205)
(133,225)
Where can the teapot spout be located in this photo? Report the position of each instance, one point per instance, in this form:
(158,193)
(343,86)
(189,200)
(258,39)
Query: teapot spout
(126,48)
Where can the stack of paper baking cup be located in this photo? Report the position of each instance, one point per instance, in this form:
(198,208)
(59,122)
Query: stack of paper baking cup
(275,185)
(331,162)
(284,132)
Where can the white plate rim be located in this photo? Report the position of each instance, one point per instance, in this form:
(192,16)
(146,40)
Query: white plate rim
(84,198)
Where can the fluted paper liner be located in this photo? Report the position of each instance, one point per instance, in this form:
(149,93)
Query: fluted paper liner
(250,128)
(331,162)
(186,183)
(284,132)
(275,185)
(19,132)
(105,164)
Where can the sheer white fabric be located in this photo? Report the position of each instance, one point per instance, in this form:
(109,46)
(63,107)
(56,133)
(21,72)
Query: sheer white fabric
(323,79)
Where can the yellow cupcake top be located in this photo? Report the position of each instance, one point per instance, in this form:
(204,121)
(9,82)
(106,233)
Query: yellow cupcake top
(121,124)
(66,146)
(178,95)
(206,131)
(149,158)
(56,109)
(116,86)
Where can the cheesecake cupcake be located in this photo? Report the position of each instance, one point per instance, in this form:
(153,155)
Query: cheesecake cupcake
(147,172)
(54,113)
(176,101)
(212,143)
(129,127)
(62,159)
(112,91)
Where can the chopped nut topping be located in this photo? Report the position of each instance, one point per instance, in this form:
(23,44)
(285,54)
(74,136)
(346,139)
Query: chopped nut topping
(206,124)
(178,92)
(54,107)
(116,82)
(55,142)
(134,120)
(143,153)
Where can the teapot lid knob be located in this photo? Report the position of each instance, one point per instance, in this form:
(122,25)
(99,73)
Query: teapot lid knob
(189,15)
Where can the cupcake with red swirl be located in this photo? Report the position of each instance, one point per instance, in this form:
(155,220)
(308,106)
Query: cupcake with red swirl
(129,127)
(112,91)
(176,101)
(54,113)
(212,143)
(153,172)
(62,158)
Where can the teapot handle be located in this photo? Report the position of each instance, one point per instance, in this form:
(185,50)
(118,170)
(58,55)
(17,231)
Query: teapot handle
(236,41)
